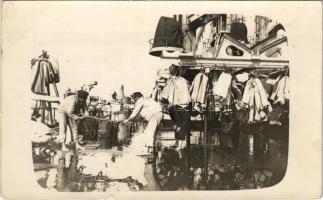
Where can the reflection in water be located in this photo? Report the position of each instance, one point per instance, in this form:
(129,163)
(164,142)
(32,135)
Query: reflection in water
(217,167)
(115,169)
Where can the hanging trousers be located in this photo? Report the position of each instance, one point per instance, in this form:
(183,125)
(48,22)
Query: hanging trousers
(182,118)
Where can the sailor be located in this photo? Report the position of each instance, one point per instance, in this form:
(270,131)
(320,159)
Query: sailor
(72,109)
(151,111)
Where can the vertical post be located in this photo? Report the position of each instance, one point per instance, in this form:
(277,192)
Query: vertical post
(206,113)
(188,152)
(55,89)
(50,107)
(42,106)
(205,144)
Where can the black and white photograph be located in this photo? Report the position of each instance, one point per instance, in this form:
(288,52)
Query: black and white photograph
(125,100)
(214,117)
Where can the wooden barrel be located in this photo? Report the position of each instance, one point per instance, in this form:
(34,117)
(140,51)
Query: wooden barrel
(88,128)
(108,133)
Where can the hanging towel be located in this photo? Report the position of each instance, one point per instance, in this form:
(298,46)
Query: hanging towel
(221,89)
(176,91)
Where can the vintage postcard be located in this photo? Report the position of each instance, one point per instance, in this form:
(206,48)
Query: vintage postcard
(121,100)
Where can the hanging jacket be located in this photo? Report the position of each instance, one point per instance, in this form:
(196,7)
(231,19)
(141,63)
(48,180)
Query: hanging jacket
(281,91)
(176,91)
(221,89)
(262,93)
(198,88)
(256,99)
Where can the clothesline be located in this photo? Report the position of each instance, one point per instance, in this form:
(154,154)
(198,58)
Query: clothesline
(225,67)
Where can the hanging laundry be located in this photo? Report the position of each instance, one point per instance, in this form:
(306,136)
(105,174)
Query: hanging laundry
(43,73)
(182,118)
(214,75)
(273,81)
(242,77)
(188,42)
(275,116)
(281,91)
(221,89)
(176,91)
(198,45)
(198,90)
(268,87)
(255,99)
(40,80)
(237,90)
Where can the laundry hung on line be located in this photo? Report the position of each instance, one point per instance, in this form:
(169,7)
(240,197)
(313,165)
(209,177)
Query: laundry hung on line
(230,91)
